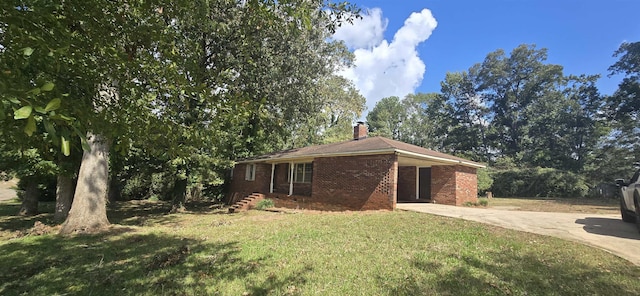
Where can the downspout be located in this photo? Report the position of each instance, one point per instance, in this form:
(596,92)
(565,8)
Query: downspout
(273,168)
(291,178)
(417,182)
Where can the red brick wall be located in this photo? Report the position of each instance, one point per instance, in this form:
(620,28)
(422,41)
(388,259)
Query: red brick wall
(466,185)
(454,185)
(260,184)
(356,182)
(407,183)
(304,202)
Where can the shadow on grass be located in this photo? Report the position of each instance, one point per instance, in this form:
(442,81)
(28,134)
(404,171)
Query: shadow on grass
(11,221)
(131,264)
(129,213)
(141,213)
(504,273)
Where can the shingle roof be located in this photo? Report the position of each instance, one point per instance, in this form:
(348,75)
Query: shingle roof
(373,145)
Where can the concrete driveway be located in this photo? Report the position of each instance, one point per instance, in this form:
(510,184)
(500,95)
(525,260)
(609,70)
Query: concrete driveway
(607,232)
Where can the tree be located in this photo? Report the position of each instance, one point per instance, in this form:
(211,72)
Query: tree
(341,105)
(469,122)
(427,120)
(624,104)
(620,147)
(510,84)
(386,118)
(197,73)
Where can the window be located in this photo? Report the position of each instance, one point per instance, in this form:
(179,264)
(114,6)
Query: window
(250,173)
(302,173)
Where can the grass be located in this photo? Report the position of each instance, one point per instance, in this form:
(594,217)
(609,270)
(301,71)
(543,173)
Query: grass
(561,205)
(209,252)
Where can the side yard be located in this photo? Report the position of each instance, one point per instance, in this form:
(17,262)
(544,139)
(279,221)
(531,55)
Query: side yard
(262,253)
(561,205)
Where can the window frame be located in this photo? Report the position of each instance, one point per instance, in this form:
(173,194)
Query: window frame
(306,171)
(250,172)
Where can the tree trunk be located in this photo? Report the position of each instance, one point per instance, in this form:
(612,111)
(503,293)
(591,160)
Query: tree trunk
(89,208)
(179,195)
(64,197)
(29,205)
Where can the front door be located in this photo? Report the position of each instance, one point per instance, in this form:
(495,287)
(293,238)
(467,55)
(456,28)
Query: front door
(425,183)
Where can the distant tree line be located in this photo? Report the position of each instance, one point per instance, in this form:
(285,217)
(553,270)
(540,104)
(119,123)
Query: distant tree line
(542,132)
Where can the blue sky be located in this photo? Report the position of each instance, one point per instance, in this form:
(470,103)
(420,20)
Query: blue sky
(447,36)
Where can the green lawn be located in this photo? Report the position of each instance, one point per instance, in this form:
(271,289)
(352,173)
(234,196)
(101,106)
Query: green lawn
(262,253)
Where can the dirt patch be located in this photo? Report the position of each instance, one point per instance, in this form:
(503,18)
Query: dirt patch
(560,205)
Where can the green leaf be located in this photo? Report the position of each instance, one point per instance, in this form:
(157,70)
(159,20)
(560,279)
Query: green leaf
(31,126)
(27,51)
(62,117)
(85,144)
(49,127)
(65,146)
(40,110)
(22,113)
(35,91)
(47,86)
(14,100)
(53,105)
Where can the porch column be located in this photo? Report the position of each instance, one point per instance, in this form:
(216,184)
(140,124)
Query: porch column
(273,168)
(291,168)
(417,182)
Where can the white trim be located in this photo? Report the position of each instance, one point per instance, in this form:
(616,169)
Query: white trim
(422,156)
(309,157)
(273,168)
(417,182)
(250,172)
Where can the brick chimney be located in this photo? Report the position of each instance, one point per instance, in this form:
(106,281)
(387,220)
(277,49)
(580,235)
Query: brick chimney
(359,131)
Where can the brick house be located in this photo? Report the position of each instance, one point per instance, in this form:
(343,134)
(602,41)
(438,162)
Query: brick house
(366,173)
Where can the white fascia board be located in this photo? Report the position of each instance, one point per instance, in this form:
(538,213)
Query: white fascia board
(310,157)
(439,159)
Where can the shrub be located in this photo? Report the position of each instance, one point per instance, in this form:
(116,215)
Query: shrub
(484,181)
(265,204)
(46,186)
(538,182)
(483,202)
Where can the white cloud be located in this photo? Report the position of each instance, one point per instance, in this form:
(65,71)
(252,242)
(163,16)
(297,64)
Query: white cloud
(364,33)
(382,69)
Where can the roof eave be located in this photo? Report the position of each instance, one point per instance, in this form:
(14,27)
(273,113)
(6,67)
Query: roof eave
(307,157)
(440,159)
(286,159)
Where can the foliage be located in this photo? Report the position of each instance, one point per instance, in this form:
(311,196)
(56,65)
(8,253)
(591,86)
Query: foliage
(46,188)
(341,105)
(485,181)
(265,204)
(386,118)
(190,84)
(538,182)
(624,105)
(262,253)
(516,110)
